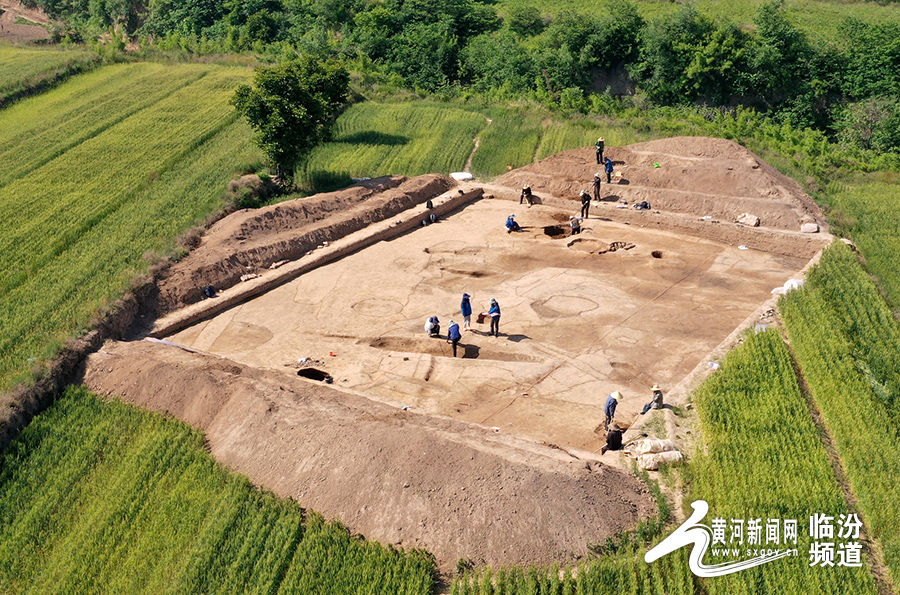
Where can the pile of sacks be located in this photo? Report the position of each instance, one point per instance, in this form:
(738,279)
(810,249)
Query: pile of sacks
(650,452)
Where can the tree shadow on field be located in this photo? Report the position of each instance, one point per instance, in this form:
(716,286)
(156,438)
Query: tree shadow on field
(325,181)
(373,137)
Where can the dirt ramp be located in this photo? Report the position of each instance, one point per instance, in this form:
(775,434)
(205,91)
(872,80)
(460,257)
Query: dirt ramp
(253,239)
(694,175)
(455,489)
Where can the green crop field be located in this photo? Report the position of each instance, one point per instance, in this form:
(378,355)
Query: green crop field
(125,179)
(102,497)
(24,68)
(760,457)
(397,138)
(870,212)
(820,18)
(377,139)
(848,344)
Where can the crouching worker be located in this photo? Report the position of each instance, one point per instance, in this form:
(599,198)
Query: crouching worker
(511,224)
(433,327)
(575,223)
(526,195)
(613,438)
(656,401)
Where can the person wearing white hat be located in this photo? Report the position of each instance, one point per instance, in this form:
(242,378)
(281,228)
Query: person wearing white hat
(453,336)
(596,188)
(610,410)
(656,401)
(575,224)
(511,224)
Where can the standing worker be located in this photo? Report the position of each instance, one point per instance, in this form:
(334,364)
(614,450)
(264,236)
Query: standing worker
(466,308)
(610,410)
(575,223)
(599,145)
(609,170)
(585,203)
(494,313)
(656,401)
(453,336)
(526,195)
(596,187)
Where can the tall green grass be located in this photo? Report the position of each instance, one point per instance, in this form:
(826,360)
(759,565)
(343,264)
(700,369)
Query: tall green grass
(848,345)
(105,498)
(81,222)
(394,138)
(26,69)
(870,213)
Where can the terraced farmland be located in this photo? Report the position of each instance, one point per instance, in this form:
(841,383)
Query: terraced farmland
(22,70)
(126,158)
(105,498)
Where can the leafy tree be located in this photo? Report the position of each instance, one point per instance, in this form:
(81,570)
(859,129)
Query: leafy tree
(496,59)
(667,50)
(525,21)
(872,59)
(292,106)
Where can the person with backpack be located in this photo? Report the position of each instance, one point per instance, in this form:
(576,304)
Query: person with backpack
(466,308)
(453,336)
(609,170)
(586,202)
(494,313)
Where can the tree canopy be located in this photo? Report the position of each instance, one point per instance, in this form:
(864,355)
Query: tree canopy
(292,106)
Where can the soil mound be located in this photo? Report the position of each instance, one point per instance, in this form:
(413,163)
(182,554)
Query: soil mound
(693,175)
(401,477)
(253,239)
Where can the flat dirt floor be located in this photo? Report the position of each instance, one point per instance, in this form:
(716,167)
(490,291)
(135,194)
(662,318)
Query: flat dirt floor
(575,325)
(492,455)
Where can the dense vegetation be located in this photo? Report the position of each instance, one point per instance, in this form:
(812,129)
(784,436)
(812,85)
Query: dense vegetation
(848,345)
(846,83)
(121,161)
(106,498)
(760,457)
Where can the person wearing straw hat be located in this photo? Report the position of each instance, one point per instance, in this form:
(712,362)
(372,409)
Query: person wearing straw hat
(526,195)
(596,185)
(610,410)
(599,145)
(613,438)
(656,401)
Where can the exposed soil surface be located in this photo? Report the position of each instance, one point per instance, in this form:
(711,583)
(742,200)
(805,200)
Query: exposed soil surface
(20,32)
(250,240)
(411,445)
(400,477)
(692,175)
